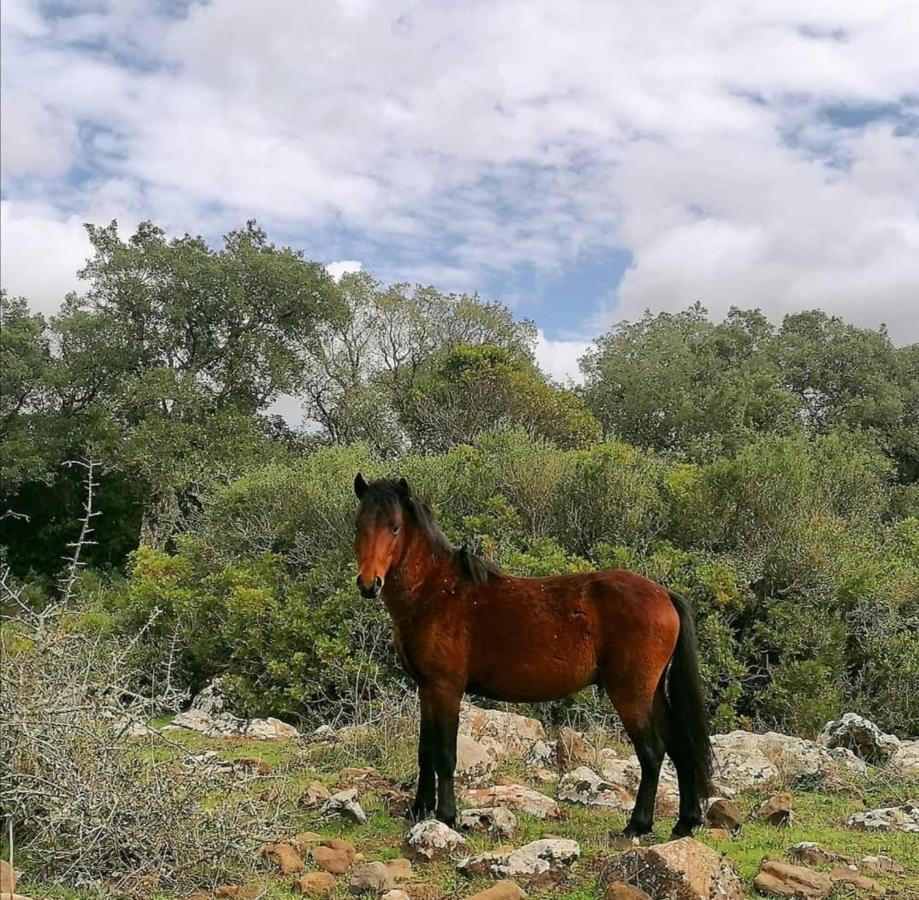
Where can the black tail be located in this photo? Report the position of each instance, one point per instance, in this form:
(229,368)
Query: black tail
(688,718)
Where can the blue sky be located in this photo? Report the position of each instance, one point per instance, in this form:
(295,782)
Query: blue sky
(581,162)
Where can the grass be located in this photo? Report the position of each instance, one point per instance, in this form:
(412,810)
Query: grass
(819,817)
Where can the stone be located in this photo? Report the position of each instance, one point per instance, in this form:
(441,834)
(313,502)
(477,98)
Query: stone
(542,775)
(494,820)
(270,729)
(621,890)
(723,813)
(424,891)
(585,787)
(684,869)
(808,853)
(881,865)
(626,773)
(780,879)
(316,794)
(324,734)
(346,805)
(432,840)
(396,895)
(542,755)
(776,810)
(401,868)
(239,891)
(315,884)
(740,763)
(373,877)
(541,861)
(501,890)
(891,818)
(286,857)
(306,840)
(209,715)
(572,750)
(331,860)
(904,761)
(474,764)
(254,764)
(513,733)
(861,736)
(719,834)
(517,797)
(854,881)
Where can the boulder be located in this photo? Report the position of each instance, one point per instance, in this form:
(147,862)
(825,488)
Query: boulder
(346,805)
(626,773)
(494,820)
(572,750)
(324,734)
(517,797)
(780,879)
(621,890)
(209,714)
(684,869)
(432,840)
(306,840)
(474,764)
(723,813)
(541,861)
(776,810)
(315,884)
(316,794)
(336,862)
(371,878)
(512,733)
(542,755)
(808,853)
(285,857)
(891,818)
(270,729)
(501,890)
(854,881)
(861,736)
(585,787)
(904,761)
(881,865)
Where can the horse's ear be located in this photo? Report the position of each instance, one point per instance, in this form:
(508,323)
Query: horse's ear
(404,489)
(360,486)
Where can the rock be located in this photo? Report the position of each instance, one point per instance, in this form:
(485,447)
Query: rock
(776,810)
(719,834)
(433,840)
(494,820)
(306,840)
(585,787)
(783,880)
(401,868)
(324,734)
(541,861)
(501,890)
(315,794)
(209,714)
(808,853)
(862,883)
(861,736)
(208,763)
(517,797)
(254,764)
(373,877)
(684,869)
(351,775)
(881,865)
(473,763)
(621,890)
(7,877)
(285,856)
(542,775)
(541,755)
(239,891)
(740,763)
(905,760)
(891,818)
(347,805)
(331,860)
(424,891)
(315,884)
(626,773)
(572,750)
(396,895)
(513,733)
(723,813)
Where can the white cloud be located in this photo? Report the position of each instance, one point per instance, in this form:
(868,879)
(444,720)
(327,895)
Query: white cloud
(340,267)
(559,359)
(464,140)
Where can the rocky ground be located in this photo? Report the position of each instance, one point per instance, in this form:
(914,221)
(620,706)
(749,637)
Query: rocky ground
(541,813)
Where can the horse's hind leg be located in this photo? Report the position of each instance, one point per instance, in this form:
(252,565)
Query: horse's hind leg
(644,719)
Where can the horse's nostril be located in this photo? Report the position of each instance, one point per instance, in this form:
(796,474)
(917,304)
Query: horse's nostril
(378,582)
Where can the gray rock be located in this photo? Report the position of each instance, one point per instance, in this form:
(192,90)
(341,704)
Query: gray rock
(861,736)
(474,764)
(512,733)
(432,840)
(517,797)
(536,860)
(347,805)
(904,761)
(587,788)
(495,820)
(891,818)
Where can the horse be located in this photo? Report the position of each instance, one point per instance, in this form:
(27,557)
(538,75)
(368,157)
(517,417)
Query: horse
(462,625)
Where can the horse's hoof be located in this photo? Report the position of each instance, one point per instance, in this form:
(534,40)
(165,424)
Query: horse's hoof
(448,819)
(681,830)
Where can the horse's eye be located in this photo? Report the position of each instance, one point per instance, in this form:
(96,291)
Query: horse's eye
(395,529)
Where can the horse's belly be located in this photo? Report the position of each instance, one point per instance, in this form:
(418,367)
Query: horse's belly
(533,680)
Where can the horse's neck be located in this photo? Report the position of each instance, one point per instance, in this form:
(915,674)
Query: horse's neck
(423,564)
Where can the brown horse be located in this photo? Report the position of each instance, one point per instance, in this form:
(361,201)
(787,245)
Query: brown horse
(461,625)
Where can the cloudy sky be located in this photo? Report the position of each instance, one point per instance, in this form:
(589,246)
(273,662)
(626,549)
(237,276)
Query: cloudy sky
(581,161)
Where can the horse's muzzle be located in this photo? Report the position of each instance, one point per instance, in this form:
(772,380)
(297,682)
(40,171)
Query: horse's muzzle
(370,591)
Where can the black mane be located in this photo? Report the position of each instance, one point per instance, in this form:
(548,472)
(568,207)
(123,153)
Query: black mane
(387,494)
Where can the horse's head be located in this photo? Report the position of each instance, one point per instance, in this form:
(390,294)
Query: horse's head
(379,540)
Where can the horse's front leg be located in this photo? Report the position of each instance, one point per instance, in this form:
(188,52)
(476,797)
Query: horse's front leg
(424,798)
(442,703)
